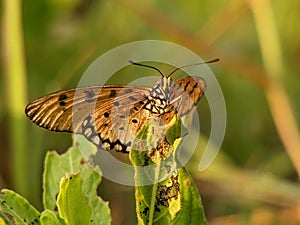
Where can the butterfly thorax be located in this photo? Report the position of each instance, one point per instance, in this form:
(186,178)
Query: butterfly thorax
(159,98)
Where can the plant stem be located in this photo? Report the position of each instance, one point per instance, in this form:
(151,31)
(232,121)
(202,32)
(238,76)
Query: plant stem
(16,91)
(277,98)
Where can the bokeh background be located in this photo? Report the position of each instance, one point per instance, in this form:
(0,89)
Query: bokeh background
(46,45)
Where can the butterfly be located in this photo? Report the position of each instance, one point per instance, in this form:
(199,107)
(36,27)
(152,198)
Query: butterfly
(110,116)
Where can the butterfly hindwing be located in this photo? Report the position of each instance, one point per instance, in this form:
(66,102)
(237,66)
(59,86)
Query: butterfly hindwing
(115,122)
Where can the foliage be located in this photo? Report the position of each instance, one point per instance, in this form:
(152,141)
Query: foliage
(165,193)
(170,197)
(75,185)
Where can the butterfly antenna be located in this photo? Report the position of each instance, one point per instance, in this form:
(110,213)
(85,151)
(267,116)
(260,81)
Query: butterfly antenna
(194,64)
(152,67)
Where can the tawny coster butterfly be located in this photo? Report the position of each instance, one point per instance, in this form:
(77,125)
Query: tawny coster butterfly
(110,116)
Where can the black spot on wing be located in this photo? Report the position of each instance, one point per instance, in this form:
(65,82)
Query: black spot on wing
(62,103)
(62,97)
(106,114)
(195,86)
(128,90)
(117,145)
(89,96)
(186,85)
(133,98)
(112,93)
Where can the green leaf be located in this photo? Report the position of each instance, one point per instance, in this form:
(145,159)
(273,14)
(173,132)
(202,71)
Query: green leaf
(158,203)
(73,204)
(177,130)
(90,177)
(170,196)
(49,217)
(19,208)
(78,202)
(75,183)
(100,211)
(192,211)
(56,166)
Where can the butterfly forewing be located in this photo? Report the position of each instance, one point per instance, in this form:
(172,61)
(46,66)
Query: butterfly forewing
(111,116)
(57,111)
(190,90)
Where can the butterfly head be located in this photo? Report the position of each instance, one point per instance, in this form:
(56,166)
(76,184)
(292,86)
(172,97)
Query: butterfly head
(162,89)
(186,91)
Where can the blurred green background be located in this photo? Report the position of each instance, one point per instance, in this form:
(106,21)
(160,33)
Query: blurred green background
(46,45)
